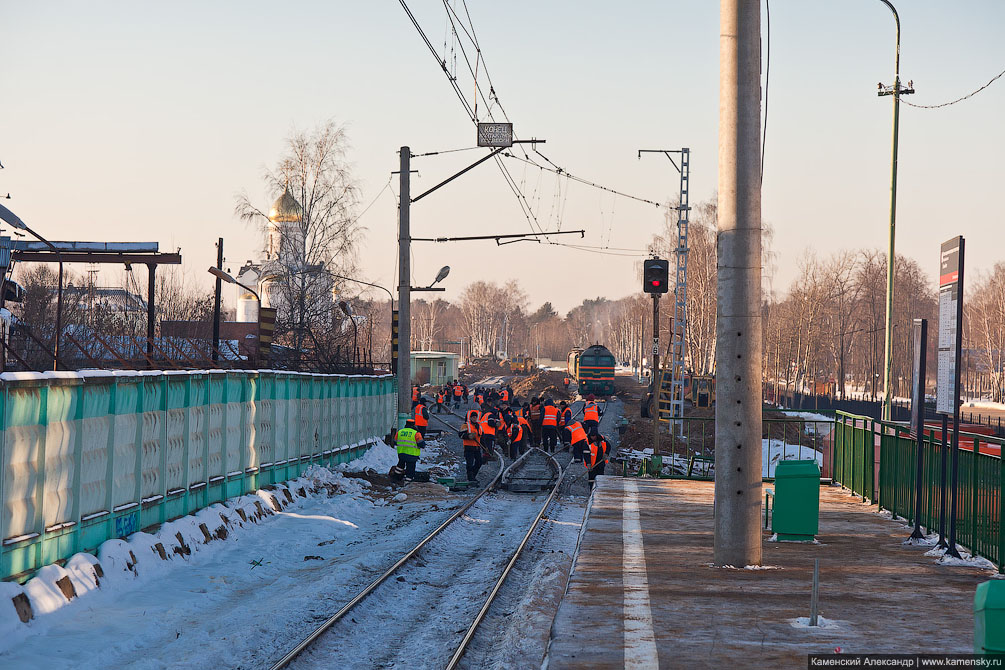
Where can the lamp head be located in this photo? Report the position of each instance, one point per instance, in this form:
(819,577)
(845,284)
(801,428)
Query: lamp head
(11,219)
(220,274)
(441,275)
(346,307)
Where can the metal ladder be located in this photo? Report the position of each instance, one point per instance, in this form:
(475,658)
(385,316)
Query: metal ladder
(671,400)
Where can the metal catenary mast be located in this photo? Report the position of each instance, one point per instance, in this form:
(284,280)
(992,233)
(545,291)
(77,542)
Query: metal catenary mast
(670,400)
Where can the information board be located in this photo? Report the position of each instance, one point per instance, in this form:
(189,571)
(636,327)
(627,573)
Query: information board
(947,390)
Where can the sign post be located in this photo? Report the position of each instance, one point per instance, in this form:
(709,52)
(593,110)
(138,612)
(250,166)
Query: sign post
(918,415)
(950,345)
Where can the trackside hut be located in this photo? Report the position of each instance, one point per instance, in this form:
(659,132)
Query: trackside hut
(434,367)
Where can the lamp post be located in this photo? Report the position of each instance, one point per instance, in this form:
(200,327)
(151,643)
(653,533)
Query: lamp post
(225,276)
(347,309)
(14,221)
(896,91)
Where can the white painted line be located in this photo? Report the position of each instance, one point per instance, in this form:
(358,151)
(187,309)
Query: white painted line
(640,640)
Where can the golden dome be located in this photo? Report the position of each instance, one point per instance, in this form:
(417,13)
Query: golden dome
(286,209)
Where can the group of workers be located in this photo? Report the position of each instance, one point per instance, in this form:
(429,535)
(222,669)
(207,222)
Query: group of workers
(500,420)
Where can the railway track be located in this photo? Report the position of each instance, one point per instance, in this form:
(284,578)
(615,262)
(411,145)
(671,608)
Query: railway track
(524,469)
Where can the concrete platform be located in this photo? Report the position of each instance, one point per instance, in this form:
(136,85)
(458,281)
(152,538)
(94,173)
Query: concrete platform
(644,593)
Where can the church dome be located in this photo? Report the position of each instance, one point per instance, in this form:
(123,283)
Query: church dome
(285,209)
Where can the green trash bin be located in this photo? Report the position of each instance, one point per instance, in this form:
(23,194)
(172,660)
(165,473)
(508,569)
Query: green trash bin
(796,512)
(989,617)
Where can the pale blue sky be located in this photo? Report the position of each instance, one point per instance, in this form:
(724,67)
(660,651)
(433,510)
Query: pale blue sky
(141,121)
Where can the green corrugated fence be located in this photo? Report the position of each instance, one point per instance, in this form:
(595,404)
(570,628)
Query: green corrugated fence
(979,508)
(90,456)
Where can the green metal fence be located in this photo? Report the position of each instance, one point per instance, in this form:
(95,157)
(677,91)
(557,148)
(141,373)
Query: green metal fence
(785,437)
(90,456)
(861,441)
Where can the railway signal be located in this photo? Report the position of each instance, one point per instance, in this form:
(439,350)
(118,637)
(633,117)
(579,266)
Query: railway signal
(655,275)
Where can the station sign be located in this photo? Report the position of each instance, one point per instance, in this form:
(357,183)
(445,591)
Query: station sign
(495,134)
(947,390)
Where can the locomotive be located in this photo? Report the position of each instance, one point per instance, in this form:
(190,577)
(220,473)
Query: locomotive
(593,370)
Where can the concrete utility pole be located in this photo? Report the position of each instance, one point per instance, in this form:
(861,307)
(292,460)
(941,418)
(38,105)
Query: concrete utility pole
(404,286)
(738,330)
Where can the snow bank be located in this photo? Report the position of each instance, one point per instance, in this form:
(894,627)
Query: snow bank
(816,424)
(379,457)
(145,555)
(774,451)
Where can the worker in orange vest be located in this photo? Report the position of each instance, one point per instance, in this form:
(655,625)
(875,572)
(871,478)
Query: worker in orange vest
(591,415)
(471,439)
(549,425)
(504,395)
(421,417)
(487,425)
(458,392)
(596,457)
(441,397)
(534,416)
(564,419)
(517,436)
(415,395)
(523,418)
(575,435)
(566,382)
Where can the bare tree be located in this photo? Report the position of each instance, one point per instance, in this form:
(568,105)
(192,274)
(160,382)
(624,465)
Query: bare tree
(321,240)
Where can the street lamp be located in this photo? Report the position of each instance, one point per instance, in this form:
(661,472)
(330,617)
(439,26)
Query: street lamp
(225,276)
(220,274)
(896,91)
(347,308)
(14,221)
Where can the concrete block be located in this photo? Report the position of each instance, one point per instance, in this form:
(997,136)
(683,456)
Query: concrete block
(66,587)
(23,607)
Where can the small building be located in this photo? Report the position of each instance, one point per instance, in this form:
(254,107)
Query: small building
(434,367)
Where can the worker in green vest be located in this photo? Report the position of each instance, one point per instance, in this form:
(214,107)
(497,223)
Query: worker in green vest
(408,442)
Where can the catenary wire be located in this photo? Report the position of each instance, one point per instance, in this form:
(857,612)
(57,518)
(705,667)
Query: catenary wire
(953,102)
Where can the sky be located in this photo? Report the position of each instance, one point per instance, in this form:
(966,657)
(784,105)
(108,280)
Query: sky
(126,121)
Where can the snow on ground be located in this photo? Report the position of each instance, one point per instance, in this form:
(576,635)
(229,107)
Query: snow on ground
(774,451)
(816,424)
(237,601)
(985,404)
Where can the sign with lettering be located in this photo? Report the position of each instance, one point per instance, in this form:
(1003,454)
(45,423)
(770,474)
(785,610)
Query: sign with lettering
(947,389)
(495,134)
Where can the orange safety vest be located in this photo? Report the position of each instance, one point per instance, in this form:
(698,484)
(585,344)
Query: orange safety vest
(522,420)
(480,399)
(505,395)
(483,424)
(550,416)
(457,391)
(598,454)
(566,416)
(471,434)
(519,433)
(501,421)
(415,393)
(439,398)
(591,412)
(420,421)
(578,434)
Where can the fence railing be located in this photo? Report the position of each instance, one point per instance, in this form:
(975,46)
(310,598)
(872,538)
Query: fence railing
(86,457)
(783,438)
(862,442)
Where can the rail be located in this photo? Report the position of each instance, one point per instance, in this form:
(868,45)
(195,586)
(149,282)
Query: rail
(331,621)
(878,461)
(470,633)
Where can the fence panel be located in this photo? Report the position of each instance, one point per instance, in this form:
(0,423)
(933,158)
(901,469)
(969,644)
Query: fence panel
(979,502)
(86,457)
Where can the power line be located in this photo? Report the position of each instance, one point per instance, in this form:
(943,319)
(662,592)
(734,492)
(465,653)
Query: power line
(953,102)
(586,182)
